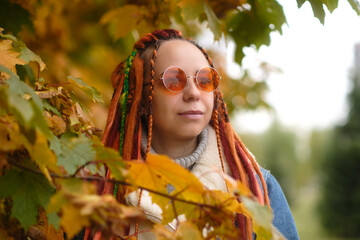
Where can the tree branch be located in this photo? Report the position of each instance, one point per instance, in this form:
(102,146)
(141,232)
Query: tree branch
(94,178)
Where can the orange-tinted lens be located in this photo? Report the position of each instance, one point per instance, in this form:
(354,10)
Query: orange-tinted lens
(208,79)
(174,79)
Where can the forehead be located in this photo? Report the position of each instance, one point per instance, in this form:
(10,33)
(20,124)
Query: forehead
(179,53)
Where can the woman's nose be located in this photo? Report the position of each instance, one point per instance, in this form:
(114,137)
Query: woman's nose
(191,91)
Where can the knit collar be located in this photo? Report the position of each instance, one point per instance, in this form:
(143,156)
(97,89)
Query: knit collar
(188,161)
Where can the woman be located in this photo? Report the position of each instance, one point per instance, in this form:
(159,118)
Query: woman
(167,101)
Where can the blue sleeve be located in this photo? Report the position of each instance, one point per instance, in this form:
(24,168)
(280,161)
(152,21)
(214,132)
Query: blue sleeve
(283,219)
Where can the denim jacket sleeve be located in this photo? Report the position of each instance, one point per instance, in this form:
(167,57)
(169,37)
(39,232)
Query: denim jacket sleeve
(283,219)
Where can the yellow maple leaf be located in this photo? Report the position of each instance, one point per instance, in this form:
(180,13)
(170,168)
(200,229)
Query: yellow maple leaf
(72,220)
(11,138)
(225,201)
(8,56)
(158,171)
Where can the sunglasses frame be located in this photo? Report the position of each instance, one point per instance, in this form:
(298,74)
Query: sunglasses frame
(187,77)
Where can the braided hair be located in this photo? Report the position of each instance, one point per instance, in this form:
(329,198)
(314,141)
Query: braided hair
(131,110)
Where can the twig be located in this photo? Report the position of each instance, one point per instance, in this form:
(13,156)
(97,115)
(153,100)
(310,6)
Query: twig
(82,166)
(94,178)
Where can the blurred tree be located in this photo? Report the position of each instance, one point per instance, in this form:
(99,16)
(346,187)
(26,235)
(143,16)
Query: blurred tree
(339,207)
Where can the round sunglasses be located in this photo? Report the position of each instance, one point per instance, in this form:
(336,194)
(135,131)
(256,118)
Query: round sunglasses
(175,79)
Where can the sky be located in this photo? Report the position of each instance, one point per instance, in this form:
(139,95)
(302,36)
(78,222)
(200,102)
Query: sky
(315,60)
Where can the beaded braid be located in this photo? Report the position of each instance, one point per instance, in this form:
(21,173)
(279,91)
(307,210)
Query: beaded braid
(215,118)
(152,83)
(223,107)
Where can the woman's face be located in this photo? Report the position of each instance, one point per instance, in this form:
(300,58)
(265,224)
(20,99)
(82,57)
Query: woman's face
(183,115)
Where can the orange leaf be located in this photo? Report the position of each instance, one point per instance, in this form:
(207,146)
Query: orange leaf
(8,56)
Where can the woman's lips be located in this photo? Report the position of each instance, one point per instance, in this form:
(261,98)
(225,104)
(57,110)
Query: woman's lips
(191,114)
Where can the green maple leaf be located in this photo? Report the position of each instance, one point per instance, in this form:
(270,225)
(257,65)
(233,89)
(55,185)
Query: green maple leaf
(20,107)
(332,5)
(72,151)
(113,161)
(24,103)
(318,10)
(253,27)
(355,6)
(28,191)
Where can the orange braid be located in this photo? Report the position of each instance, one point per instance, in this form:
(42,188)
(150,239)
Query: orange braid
(117,80)
(223,108)
(152,83)
(215,121)
(231,141)
(249,156)
(257,170)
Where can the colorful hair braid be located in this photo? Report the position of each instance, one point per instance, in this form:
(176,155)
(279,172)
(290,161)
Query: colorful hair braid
(123,127)
(123,104)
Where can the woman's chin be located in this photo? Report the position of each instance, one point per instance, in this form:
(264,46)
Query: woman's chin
(189,133)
